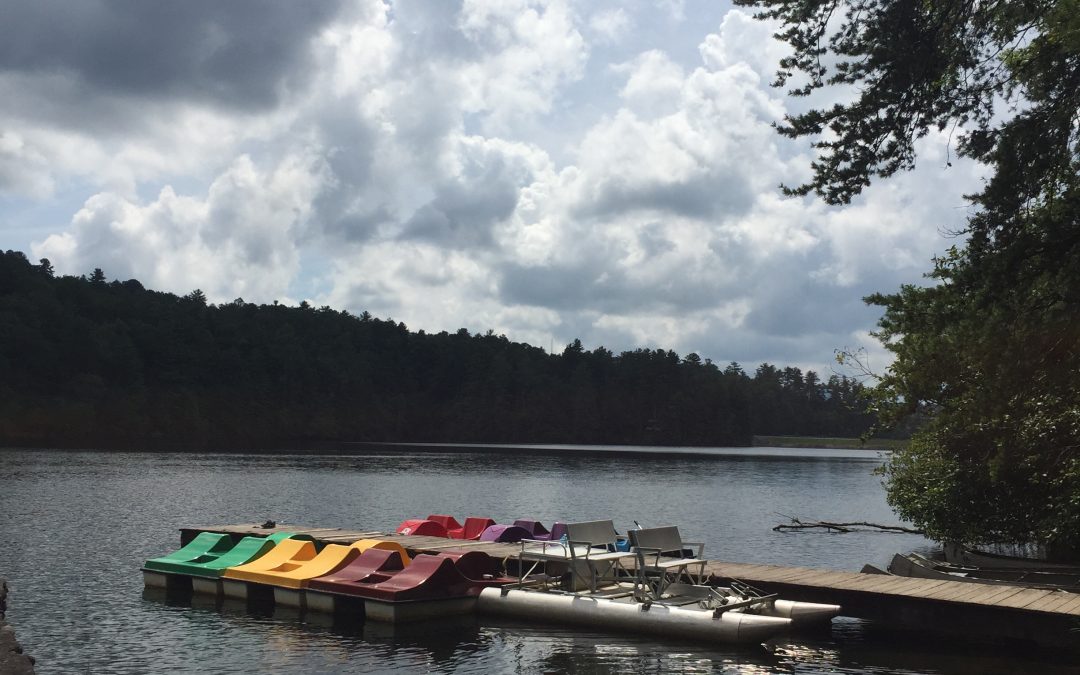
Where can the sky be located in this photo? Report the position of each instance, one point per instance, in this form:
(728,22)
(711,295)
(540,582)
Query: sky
(546,169)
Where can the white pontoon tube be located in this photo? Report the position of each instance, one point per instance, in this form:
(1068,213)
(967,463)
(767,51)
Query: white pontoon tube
(619,615)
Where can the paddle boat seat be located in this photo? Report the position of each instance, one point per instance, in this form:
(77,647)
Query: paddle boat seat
(246,550)
(662,559)
(472,529)
(419,527)
(371,566)
(537,532)
(296,575)
(593,543)
(448,522)
(558,531)
(250,581)
(288,554)
(382,544)
(506,534)
(476,565)
(205,547)
(429,577)
(289,577)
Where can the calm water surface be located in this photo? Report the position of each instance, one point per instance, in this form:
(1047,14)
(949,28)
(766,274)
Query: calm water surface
(76,526)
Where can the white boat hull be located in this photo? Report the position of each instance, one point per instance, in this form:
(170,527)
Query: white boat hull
(206,585)
(803,612)
(616,615)
(388,612)
(155,579)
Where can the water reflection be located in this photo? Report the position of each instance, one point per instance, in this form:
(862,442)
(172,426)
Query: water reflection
(431,646)
(880,649)
(529,648)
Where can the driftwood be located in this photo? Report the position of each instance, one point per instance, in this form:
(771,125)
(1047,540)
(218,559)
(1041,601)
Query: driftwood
(860,526)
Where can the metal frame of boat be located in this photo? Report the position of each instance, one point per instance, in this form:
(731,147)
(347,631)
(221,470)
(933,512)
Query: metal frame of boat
(655,601)
(587,558)
(661,560)
(745,598)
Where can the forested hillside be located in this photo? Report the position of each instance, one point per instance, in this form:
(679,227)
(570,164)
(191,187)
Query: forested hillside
(96,363)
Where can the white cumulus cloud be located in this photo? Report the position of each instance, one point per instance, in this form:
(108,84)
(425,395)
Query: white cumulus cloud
(544,168)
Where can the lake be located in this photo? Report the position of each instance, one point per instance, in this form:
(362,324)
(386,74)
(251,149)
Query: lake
(77,526)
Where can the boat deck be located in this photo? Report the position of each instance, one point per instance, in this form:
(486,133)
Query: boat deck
(1011,612)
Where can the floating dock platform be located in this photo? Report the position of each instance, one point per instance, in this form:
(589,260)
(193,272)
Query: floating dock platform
(979,610)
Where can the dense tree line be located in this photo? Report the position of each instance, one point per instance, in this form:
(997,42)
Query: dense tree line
(990,348)
(86,361)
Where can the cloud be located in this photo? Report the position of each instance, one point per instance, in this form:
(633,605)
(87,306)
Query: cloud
(609,26)
(23,167)
(744,41)
(536,167)
(654,84)
(527,51)
(670,217)
(706,157)
(242,53)
(239,240)
(676,9)
(481,192)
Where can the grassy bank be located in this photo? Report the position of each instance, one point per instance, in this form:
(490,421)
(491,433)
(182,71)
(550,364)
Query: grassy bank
(826,442)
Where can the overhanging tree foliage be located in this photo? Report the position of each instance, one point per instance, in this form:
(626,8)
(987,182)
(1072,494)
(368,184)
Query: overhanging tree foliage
(992,349)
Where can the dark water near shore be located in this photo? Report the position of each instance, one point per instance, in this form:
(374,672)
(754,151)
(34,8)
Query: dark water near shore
(76,526)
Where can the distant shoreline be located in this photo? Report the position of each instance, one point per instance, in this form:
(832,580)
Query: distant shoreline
(875,444)
(384,447)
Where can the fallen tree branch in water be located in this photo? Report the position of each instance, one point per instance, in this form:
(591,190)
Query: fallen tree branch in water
(860,526)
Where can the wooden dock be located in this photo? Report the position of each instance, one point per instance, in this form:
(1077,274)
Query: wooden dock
(990,611)
(1011,612)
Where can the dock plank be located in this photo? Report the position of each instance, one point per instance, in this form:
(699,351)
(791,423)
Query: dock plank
(981,593)
(997,593)
(885,584)
(954,590)
(1056,600)
(975,593)
(951,590)
(350,537)
(1071,607)
(1022,599)
(897,585)
(792,576)
(920,587)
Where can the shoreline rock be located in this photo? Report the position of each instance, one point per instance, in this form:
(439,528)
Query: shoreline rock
(12,659)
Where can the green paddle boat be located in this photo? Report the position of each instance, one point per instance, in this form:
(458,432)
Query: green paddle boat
(202,561)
